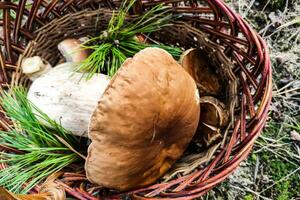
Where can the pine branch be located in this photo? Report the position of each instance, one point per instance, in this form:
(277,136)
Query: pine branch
(118,42)
(43,153)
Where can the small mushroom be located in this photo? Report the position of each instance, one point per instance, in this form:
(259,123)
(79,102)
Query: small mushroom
(34,67)
(143,122)
(213,118)
(72,50)
(196,63)
(65,98)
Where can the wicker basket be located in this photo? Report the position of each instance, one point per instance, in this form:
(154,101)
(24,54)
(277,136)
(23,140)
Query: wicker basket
(208,24)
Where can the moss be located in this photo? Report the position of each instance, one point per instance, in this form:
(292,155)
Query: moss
(253,158)
(249,197)
(278,170)
(284,191)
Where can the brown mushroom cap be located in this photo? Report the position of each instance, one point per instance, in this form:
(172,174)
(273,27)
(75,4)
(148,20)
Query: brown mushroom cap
(144,121)
(213,117)
(196,63)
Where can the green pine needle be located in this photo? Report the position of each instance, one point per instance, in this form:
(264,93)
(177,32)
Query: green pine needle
(43,153)
(114,45)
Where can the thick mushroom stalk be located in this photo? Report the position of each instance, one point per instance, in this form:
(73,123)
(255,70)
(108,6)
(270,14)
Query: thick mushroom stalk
(143,122)
(68,98)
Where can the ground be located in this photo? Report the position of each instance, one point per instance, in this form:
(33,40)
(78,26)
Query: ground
(272,170)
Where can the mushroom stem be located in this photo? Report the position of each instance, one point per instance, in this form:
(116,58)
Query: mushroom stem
(66,98)
(34,67)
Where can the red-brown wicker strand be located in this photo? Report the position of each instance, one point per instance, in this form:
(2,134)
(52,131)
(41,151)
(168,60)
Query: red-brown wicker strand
(227,31)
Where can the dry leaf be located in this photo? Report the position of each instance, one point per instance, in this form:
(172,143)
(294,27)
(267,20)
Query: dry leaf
(6,195)
(53,190)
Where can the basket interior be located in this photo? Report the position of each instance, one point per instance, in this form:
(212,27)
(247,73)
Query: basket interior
(82,25)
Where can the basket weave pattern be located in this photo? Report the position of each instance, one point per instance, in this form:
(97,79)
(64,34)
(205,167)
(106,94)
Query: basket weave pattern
(227,33)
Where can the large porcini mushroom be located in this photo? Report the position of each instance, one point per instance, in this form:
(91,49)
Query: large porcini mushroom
(60,93)
(213,118)
(196,63)
(143,122)
(65,98)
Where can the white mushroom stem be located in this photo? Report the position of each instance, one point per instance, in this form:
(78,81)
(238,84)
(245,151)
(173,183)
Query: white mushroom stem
(68,98)
(72,50)
(34,67)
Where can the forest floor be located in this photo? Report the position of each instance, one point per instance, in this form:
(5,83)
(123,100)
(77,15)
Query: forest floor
(272,171)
